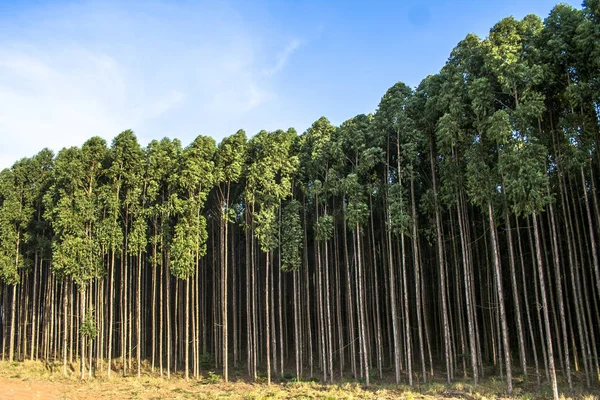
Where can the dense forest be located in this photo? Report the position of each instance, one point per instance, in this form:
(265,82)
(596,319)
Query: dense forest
(454,233)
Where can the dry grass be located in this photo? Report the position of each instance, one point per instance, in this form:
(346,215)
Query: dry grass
(33,379)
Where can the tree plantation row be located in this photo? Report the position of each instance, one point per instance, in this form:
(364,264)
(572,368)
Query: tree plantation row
(452,233)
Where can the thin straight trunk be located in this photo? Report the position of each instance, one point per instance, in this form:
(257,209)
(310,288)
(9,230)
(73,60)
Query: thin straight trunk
(187,328)
(194,312)
(267,330)
(254,308)
(378,346)
(297,340)
(154,277)
(273,310)
(406,314)
(123,314)
(224,260)
(176,326)
(72,322)
(34,305)
(249,343)
(468,290)
(234,305)
(545,306)
(308,319)
(441,264)
(361,357)
(575,285)
(81,335)
(362,305)
(328,307)
(417,268)
(559,292)
(537,301)
(590,332)
(111,306)
(504,331)
(590,223)
(168,314)
(321,318)
(554,324)
(139,315)
(279,301)
(393,307)
(13,315)
(526,297)
(338,303)
(350,303)
(516,299)
(64,344)
(161,336)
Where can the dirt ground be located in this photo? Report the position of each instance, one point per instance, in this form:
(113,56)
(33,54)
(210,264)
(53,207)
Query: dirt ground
(34,380)
(125,388)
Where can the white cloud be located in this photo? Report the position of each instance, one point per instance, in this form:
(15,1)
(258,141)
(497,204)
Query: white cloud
(177,73)
(55,100)
(283,57)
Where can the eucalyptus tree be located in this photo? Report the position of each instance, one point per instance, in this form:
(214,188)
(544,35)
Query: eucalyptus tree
(73,209)
(316,163)
(425,110)
(482,186)
(229,162)
(270,167)
(16,212)
(291,248)
(163,164)
(361,155)
(524,167)
(453,131)
(124,176)
(39,233)
(137,240)
(514,61)
(393,121)
(196,178)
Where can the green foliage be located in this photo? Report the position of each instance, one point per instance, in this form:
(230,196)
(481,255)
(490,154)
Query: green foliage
(400,219)
(88,327)
(195,179)
(18,194)
(291,237)
(357,210)
(230,157)
(73,207)
(206,360)
(324,228)
(481,179)
(212,378)
(270,169)
(523,166)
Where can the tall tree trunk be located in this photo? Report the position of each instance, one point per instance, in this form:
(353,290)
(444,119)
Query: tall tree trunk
(516,299)
(139,315)
(594,250)
(442,266)
(65,332)
(559,291)
(468,289)
(504,327)
(545,307)
(361,302)
(267,330)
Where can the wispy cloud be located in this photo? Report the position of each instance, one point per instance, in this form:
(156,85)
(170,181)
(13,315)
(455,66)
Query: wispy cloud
(174,71)
(283,57)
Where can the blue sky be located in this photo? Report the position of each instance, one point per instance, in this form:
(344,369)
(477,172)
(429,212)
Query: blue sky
(70,70)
